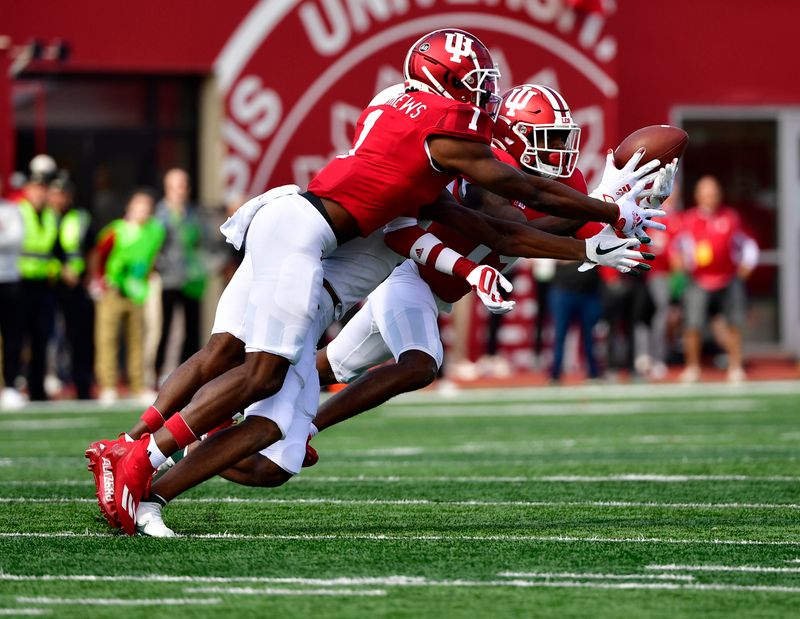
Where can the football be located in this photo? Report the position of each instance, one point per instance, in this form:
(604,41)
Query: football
(662,142)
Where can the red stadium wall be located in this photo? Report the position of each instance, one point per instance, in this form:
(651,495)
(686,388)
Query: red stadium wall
(710,52)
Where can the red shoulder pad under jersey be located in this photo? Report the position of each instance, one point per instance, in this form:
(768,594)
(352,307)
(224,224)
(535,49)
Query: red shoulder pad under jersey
(577,181)
(505,157)
(464,121)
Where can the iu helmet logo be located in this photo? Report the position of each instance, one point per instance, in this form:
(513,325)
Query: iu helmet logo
(458,45)
(517,100)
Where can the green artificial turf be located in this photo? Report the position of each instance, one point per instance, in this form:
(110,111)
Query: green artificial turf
(602,502)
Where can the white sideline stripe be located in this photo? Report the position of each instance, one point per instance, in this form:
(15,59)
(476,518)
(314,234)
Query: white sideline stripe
(426,502)
(21,612)
(276,591)
(32,425)
(623,477)
(605,392)
(119,601)
(592,576)
(574,393)
(469,479)
(749,569)
(375,537)
(578,409)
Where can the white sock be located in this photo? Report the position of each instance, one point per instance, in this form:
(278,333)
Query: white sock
(156,457)
(128,438)
(313,430)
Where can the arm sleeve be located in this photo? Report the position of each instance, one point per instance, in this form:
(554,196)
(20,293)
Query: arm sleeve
(426,249)
(104,247)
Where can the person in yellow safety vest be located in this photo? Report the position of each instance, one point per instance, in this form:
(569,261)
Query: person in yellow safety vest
(126,251)
(75,239)
(39,269)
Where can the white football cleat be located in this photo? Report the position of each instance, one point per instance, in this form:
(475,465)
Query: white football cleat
(149,521)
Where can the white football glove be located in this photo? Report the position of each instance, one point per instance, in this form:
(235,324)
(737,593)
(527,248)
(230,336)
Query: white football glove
(484,280)
(633,218)
(616,182)
(662,186)
(607,249)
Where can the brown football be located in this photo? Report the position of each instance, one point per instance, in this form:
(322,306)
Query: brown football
(662,142)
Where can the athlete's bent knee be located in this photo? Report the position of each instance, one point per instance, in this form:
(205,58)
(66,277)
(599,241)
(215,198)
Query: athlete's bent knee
(419,368)
(265,374)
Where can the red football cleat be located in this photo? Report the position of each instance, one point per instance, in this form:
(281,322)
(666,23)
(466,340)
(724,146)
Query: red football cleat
(311,457)
(100,466)
(132,474)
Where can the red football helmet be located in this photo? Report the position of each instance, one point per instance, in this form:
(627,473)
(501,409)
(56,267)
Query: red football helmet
(455,64)
(536,127)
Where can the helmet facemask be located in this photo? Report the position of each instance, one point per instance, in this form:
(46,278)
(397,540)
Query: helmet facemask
(484,85)
(544,153)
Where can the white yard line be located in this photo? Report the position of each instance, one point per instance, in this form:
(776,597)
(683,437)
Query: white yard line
(745,569)
(561,409)
(428,502)
(118,601)
(296,592)
(333,586)
(24,612)
(342,581)
(373,537)
(469,479)
(593,576)
(573,584)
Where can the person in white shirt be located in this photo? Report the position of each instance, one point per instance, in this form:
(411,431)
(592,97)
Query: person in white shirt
(11,233)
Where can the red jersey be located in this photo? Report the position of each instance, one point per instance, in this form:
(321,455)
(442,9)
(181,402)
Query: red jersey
(710,245)
(450,288)
(389,171)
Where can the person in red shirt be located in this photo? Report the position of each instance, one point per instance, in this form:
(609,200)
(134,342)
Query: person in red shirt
(713,248)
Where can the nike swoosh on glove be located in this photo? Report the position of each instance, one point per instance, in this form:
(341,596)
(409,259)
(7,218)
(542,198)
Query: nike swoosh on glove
(607,249)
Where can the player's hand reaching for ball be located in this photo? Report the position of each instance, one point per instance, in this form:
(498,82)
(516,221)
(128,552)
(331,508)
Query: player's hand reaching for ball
(484,281)
(607,249)
(618,181)
(655,195)
(634,218)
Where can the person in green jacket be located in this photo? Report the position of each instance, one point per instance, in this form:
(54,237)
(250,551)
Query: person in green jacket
(39,269)
(126,251)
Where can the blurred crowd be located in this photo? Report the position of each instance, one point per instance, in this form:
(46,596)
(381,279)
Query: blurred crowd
(99,311)
(93,311)
(608,324)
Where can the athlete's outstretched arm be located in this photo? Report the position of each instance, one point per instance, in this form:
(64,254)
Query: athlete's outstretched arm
(476,162)
(504,237)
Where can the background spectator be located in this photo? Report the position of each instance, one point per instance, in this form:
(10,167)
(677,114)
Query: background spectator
(627,312)
(39,269)
(180,264)
(718,256)
(75,239)
(11,235)
(126,251)
(574,297)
